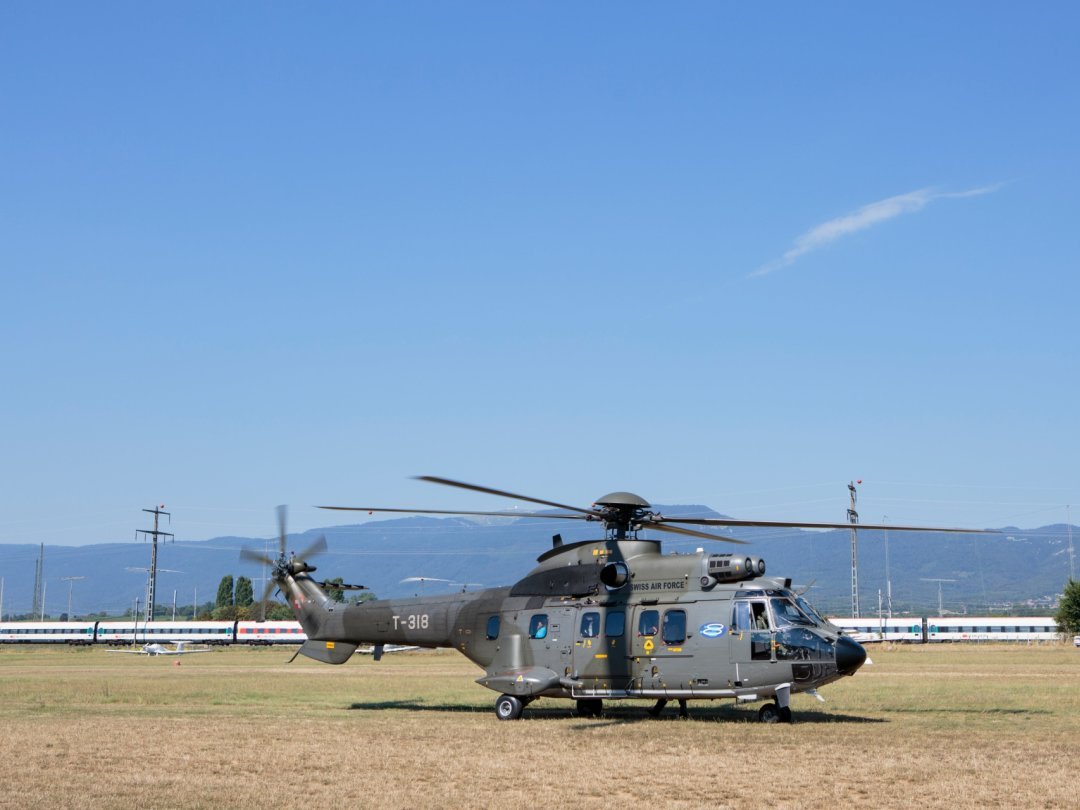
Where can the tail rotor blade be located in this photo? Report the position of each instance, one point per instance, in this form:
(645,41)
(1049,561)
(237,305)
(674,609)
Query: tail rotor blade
(282,515)
(270,585)
(318,547)
(254,556)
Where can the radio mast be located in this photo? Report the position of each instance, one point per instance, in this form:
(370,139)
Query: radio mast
(154,534)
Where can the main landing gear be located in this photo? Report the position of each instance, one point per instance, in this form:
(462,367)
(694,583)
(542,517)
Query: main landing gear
(590,707)
(662,702)
(773,713)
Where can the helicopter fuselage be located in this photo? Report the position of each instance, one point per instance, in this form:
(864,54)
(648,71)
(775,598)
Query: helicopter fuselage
(607,619)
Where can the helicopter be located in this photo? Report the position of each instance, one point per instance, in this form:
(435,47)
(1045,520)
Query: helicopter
(607,619)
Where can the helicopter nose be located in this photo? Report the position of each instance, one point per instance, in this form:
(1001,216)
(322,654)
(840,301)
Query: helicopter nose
(850,655)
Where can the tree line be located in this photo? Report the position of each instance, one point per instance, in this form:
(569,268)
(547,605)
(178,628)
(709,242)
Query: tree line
(236,601)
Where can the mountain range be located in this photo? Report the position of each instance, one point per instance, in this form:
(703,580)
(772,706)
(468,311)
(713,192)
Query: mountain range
(1019,569)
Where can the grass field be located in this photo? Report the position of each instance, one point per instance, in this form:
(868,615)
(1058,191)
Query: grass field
(938,726)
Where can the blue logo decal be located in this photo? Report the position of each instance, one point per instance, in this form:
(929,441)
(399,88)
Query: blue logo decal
(712,630)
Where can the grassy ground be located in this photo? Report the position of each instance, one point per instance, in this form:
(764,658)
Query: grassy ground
(941,726)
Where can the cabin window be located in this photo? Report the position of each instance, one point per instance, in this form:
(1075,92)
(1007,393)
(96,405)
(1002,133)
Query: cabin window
(538,626)
(615,624)
(492,628)
(649,623)
(674,627)
(590,624)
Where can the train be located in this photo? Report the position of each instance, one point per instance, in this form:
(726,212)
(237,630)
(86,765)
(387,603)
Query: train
(915,630)
(122,633)
(912,630)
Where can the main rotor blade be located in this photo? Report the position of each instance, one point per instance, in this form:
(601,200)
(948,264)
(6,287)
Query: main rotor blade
(282,514)
(255,556)
(453,512)
(660,527)
(462,485)
(786,524)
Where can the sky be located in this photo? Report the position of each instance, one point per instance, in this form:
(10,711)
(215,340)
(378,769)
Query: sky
(716,253)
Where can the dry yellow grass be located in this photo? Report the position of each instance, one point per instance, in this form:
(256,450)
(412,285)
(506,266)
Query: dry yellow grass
(938,726)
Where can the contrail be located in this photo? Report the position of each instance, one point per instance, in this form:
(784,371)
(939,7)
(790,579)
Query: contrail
(863,218)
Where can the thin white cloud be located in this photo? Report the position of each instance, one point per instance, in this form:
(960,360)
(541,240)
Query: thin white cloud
(859,220)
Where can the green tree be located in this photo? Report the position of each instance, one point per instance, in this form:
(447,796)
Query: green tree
(226,613)
(277,612)
(245,595)
(335,593)
(225,592)
(1068,615)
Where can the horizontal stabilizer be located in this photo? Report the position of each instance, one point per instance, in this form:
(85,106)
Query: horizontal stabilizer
(328,652)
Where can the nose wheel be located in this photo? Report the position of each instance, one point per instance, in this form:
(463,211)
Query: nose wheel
(508,707)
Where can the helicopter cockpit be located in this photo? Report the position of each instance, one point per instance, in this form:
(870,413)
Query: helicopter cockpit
(779,625)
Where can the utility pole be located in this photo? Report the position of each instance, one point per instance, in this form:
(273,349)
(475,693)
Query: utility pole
(1072,556)
(71,584)
(39,585)
(940,603)
(43,583)
(853,519)
(151,582)
(888,577)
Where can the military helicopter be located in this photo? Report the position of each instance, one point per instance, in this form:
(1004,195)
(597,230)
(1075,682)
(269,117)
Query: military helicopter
(607,619)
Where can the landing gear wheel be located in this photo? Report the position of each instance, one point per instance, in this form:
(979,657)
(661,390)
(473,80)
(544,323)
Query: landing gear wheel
(659,707)
(508,707)
(591,707)
(785,715)
(769,713)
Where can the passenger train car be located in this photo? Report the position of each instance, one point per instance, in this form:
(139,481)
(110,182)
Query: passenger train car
(130,632)
(912,630)
(951,628)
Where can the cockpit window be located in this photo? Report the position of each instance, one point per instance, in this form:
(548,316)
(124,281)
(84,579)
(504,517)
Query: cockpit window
(493,628)
(740,619)
(810,610)
(761,616)
(786,614)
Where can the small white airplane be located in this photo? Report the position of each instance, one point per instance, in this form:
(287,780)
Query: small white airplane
(161,649)
(379,650)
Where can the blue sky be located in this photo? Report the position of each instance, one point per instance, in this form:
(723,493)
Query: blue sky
(280,253)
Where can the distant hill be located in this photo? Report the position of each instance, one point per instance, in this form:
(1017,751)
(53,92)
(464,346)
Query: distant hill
(1019,566)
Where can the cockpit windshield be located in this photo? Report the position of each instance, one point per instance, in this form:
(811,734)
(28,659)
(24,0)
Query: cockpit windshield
(810,610)
(787,614)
